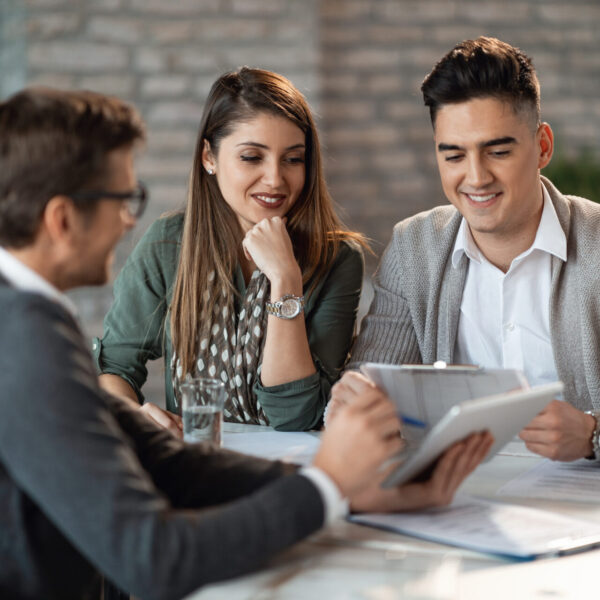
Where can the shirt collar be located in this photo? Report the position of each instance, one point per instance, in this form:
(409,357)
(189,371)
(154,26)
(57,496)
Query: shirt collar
(550,237)
(20,276)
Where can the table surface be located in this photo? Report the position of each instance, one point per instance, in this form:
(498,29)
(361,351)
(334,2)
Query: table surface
(352,561)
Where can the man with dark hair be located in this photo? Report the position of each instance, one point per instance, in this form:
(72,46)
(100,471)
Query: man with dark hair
(508,275)
(90,485)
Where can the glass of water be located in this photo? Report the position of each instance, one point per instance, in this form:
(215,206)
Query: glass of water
(202,401)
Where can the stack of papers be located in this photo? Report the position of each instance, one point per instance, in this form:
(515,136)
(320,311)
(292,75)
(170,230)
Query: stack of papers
(577,481)
(503,529)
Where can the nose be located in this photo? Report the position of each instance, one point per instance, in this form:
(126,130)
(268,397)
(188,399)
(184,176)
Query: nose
(272,174)
(478,175)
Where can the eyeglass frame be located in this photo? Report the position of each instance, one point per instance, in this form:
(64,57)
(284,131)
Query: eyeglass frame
(138,194)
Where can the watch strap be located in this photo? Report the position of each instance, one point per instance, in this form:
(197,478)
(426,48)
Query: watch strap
(595,439)
(275,308)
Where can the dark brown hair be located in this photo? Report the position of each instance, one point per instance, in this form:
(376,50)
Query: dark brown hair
(212,236)
(55,142)
(484,67)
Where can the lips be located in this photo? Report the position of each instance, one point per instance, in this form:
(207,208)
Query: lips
(269,200)
(482,199)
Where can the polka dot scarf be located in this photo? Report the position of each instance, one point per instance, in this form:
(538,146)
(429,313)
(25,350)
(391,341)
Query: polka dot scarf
(233,353)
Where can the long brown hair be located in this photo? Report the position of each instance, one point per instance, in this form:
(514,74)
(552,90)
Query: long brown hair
(212,236)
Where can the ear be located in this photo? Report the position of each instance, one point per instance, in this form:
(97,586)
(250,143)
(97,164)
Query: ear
(59,220)
(545,141)
(208,160)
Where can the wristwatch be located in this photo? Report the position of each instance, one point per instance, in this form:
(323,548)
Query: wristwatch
(287,307)
(595,439)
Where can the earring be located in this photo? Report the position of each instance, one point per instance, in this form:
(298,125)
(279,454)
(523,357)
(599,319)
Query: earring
(210,171)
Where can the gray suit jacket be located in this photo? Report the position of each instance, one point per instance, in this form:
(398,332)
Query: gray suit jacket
(414,315)
(88,484)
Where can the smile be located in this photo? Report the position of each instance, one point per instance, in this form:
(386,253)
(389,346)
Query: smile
(479,198)
(269,200)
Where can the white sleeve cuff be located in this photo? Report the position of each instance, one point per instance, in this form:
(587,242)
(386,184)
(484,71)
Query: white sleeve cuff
(336,507)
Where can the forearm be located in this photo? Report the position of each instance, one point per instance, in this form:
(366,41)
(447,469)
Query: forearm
(286,353)
(117,386)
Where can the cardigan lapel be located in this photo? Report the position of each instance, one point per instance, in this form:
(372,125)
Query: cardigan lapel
(450,300)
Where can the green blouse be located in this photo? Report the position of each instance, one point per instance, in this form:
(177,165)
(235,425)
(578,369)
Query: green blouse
(136,328)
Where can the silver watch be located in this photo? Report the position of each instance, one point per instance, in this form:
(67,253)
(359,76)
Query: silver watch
(595,435)
(287,307)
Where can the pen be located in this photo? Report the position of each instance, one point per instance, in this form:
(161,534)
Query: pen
(412,421)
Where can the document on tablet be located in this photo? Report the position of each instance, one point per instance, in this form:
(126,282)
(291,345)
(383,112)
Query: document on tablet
(425,393)
(505,529)
(578,481)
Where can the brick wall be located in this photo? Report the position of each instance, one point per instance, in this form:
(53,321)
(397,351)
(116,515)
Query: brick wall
(374,56)
(359,62)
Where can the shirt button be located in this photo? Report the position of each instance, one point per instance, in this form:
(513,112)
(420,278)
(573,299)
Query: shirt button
(510,326)
(94,346)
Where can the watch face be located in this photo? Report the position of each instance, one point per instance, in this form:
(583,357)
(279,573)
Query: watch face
(290,308)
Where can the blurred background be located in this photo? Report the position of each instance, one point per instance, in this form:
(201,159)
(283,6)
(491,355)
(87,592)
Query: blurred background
(360,64)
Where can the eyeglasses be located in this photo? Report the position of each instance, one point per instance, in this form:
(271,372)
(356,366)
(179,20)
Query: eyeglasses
(134,201)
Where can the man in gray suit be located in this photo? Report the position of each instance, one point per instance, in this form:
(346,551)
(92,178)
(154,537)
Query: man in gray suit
(88,484)
(508,276)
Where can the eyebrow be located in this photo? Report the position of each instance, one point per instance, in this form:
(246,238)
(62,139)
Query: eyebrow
(495,142)
(259,145)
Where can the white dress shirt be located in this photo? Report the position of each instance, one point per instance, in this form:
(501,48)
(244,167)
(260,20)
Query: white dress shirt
(23,278)
(504,318)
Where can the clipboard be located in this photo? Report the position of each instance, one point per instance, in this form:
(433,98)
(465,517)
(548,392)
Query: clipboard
(504,415)
(424,394)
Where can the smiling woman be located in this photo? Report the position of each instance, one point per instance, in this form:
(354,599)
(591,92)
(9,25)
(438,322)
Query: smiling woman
(257,283)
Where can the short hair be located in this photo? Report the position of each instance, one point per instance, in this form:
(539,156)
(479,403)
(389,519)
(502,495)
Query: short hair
(55,142)
(484,67)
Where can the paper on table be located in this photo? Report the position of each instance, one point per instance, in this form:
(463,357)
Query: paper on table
(296,447)
(517,447)
(495,528)
(578,481)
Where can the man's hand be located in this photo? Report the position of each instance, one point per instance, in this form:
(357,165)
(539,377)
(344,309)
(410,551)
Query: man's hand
(560,432)
(350,387)
(363,435)
(450,471)
(163,418)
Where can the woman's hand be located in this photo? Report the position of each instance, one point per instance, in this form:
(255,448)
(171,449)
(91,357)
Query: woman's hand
(268,245)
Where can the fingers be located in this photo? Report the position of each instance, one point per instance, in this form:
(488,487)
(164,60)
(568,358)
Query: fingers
(164,419)
(357,390)
(456,464)
(246,253)
(357,383)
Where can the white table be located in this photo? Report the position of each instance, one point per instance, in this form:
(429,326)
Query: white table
(351,561)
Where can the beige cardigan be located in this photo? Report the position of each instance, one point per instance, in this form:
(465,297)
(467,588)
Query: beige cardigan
(414,315)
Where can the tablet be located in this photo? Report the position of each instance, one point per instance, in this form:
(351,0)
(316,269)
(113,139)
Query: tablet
(504,415)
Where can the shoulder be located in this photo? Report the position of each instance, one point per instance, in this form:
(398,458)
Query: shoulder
(33,324)
(579,217)
(165,230)
(349,254)
(158,249)
(428,235)
(348,265)
(430,225)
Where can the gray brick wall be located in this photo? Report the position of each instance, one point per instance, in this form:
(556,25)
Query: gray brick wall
(374,56)
(359,62)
